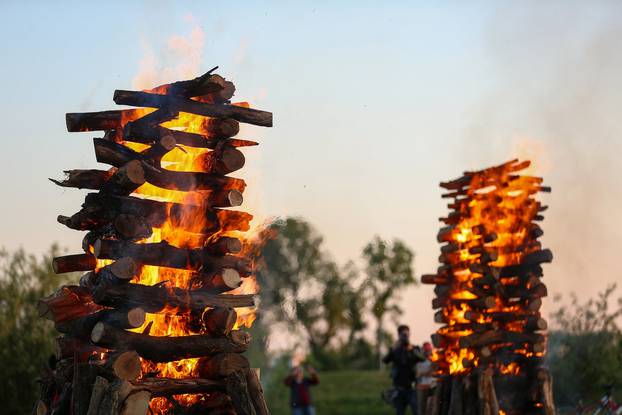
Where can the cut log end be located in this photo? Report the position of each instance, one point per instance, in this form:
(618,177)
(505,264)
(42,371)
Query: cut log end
(127,365)
(136,317)
(124,268)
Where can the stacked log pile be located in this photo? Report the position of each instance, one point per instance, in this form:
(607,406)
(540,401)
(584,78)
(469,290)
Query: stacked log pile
(489,292)
(153,324)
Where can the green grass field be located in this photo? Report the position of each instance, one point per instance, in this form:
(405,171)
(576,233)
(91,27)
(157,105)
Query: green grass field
(339,393)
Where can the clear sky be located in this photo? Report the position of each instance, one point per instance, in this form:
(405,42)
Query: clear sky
(374,103)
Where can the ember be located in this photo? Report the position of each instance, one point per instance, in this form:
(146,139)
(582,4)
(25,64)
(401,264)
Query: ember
(154,324)
(489,293)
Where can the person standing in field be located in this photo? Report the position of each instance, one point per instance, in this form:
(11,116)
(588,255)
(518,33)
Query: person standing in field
(404,356)
(426,382)
(300,389)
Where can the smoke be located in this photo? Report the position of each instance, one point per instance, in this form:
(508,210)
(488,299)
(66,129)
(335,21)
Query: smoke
(557,96)
(180,58)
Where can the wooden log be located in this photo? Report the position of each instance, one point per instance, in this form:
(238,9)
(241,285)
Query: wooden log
(165,255)
(191,181)
(115,154)
(218,129)
(89,217)
(136,403)
(256,393)
(66,303)
(499,336)
(85,179)
(81,327)
(99,389)
(132,226)
(145,99)
(124,365)
(169,386)
(434,279)
(95,121)
(159,149)
(224,159)
(221,365)
(477,303)
(66,347)
(126,179)
(234,220)
(83,379)
(224,245)
(72,263)
(167,349)
(217,282)
(237,387)
(219,321)
(158,297)
(207,84)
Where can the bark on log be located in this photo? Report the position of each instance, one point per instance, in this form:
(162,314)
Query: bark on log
(208,84)
(85,179)
(168,386)
(124,365)
(218,130)
(221,365)
(132,227)
(159,149)
(72,263)
(238,388)
(191,181)
(217,282)
(81,327)
(126,179)
(158,297)
(224,159)
(499,336)
(256,392)
(95,121)
(224,245)
(99,389)
(219,321)
(115,154)
(66,303)
(145,99)
(167,349)
(165,255)
(84,376)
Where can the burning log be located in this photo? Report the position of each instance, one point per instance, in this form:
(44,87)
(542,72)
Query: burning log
(163,254)
(219,321)
(167,349)
(95,121)
(156,298)
(145,99)
(85,179)
(218,282)
(81,327)
(222,365)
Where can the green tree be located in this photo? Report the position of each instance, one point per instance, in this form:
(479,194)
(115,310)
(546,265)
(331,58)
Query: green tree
(25,339)
(303,288)
(389,269)
(585,348)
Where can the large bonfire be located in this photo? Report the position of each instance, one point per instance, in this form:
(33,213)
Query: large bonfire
(489,289)
(170,268)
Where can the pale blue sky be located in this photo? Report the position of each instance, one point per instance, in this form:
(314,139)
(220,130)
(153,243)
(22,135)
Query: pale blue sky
(374,104)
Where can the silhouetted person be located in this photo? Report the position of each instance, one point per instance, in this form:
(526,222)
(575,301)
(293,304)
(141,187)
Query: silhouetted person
(300,391)
(404,357)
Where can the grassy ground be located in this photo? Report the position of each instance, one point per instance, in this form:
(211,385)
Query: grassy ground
(340,393)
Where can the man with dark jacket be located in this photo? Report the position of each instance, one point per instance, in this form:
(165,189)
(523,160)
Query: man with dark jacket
(404,357)
(300,393)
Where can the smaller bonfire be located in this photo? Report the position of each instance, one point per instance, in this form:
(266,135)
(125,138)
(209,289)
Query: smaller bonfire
(489,292)
(154,324)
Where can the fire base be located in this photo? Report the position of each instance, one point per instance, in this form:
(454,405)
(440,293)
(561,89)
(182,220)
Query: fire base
(482,393)
(153,326)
